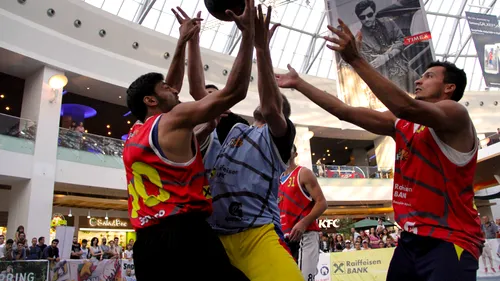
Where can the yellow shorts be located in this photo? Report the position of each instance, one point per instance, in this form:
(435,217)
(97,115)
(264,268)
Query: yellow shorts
(257,252)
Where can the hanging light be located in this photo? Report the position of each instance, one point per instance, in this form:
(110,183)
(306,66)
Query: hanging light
(88,215)
(70,214)
(106,218)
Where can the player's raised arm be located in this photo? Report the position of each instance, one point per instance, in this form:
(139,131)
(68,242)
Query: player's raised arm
(381,123)
(445,115)
(212,106)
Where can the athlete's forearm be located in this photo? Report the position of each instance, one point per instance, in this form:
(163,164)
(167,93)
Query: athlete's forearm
(175,75)
(196,76)
(318,209)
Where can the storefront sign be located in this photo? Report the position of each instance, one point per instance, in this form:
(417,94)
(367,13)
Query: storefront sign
(96,222)
(328,223)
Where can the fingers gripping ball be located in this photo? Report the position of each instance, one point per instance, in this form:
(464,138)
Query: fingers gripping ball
(217,8)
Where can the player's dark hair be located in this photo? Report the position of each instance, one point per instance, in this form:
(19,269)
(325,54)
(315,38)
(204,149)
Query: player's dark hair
(211,86)
(141,87)
(453,75)
(363,5)
(294,148)
(285,108)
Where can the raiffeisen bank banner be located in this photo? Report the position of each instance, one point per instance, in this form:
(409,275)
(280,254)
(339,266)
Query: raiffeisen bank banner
(486,35)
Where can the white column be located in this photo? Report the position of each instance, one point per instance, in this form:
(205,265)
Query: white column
(385,151)
(303,144)
(31,201)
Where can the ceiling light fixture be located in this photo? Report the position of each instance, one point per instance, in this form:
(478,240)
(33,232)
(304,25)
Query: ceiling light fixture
(119,97)
(88,215)
(109,133)
(70,214)
(88,88)
(7,108)
(2,96)
(108,126)
(128,122)
(106,218)
(346,148)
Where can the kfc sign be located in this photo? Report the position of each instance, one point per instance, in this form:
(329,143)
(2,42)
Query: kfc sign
(328,223)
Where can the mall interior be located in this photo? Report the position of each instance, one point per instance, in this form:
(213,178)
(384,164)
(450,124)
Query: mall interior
(61,144)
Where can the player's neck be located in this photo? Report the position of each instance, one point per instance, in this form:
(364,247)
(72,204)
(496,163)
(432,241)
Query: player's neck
(291,167)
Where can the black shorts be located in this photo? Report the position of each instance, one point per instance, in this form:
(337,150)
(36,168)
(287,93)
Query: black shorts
(419,258)
(182,247)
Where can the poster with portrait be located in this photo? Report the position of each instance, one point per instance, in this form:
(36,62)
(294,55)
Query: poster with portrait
(485,31)
(395,40)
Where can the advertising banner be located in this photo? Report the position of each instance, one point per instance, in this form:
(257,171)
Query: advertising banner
(361,265)
(486,36)
(323,268)
(395,41)
(128,271)
(86,270)
(24,270)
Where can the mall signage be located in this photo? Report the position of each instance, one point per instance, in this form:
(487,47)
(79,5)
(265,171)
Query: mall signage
(98,222)
(328,223)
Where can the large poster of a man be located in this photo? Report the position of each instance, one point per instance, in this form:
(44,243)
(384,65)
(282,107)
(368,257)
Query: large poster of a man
(395,40)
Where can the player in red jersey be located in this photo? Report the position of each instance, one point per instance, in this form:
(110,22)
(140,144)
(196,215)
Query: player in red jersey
(436,148)
(169,195)
(301,203)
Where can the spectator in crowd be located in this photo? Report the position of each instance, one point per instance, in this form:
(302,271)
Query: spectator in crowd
(2,246)
(354,233)
(41,245)
(380,226)
(128,275)
(365,245)
(129,252)
(20,229)
(486,255)
(51,253)
(20,252)
(360,240)
(95,250)
(381,244)
(76,249)
(489,228)
(113,250)
(106,254)
(324,246)
(339,244)
(20,240)
(34,251)
(118,247)
(357,246)
(73,126)
(85,250)
(131,242)
(9,251)
(80,128)
(374,240)
(348,247)
(394,235)
(390,242)
(384,235)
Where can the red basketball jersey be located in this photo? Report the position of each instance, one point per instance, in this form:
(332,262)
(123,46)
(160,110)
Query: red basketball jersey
(433,193)
(294,202)
(158,187)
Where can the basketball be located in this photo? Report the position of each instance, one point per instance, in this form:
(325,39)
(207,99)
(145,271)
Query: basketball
(217,8)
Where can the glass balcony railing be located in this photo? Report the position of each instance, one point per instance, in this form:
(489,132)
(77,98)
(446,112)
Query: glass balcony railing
(89,149)
(490,140)
(353,172)
(17,134)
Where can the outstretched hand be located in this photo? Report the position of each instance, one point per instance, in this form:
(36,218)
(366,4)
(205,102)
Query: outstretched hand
(263,34)
(245,22)
(346,44)
(288,80)
(190,27)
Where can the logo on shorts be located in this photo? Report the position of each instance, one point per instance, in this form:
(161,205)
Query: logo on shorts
(324,270)
(338,268)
